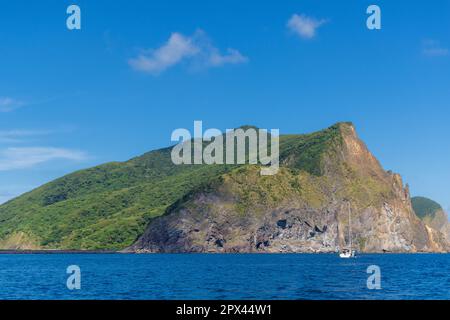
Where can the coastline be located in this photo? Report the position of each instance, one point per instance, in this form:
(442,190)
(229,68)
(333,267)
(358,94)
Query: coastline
(58,252)
(50,251)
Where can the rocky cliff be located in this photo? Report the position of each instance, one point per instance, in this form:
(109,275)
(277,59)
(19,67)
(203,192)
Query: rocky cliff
(148,204)
(324,178)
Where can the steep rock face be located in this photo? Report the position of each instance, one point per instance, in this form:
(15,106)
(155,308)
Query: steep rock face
(149,204)
(104,207)
(304,208)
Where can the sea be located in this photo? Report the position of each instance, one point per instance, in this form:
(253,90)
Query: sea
(224,276)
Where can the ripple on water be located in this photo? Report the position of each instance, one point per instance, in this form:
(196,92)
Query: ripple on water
(240,276)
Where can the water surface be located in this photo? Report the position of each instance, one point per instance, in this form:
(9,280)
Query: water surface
(224,276)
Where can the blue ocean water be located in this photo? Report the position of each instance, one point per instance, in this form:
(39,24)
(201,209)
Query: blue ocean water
(224,276)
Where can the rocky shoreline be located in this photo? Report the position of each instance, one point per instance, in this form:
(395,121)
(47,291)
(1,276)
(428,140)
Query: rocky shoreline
(230,253)
(57,252)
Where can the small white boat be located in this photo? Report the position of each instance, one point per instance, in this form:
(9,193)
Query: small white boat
(348,253)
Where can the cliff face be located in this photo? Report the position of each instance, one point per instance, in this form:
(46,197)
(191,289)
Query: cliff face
(303,208)
(148,204)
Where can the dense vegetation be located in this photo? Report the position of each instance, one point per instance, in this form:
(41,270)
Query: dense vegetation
(109,206)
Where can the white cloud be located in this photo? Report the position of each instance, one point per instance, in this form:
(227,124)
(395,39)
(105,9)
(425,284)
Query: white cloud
(22,158)
(9,104)
(433,48)
(196,50)
(5,197)
(304,26)
(232,57)
(174,51)
(10,191)
(17,136)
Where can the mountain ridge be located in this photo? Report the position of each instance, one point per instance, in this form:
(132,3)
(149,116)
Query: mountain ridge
(137,205)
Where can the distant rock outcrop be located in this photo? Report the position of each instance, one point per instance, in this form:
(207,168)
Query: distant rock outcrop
(432,215)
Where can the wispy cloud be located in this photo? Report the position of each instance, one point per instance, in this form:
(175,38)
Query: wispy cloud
(433,48)
(22,158)
(19,136)
(232,56)
(177,48)
(5,196)
(196,50)
(10,191)
(8,104)
(304,26)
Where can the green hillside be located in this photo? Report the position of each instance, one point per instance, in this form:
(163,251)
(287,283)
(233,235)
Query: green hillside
(109,206)
(424,207)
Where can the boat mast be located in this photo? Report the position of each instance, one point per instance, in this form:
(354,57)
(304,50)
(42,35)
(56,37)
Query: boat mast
(350,226)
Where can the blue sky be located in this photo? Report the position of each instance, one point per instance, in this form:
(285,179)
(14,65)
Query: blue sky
(137,70)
